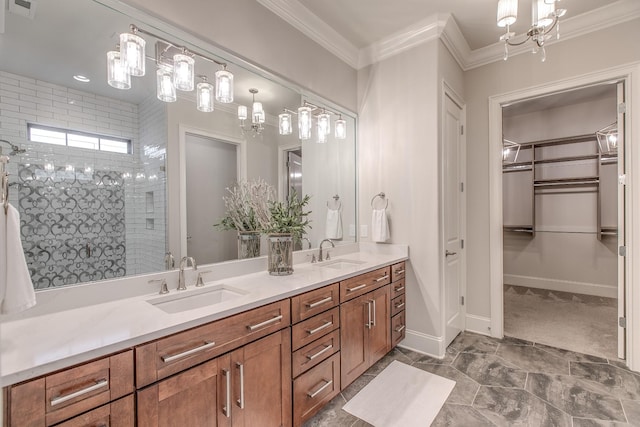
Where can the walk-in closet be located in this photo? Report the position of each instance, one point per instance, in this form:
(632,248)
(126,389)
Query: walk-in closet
(561,222)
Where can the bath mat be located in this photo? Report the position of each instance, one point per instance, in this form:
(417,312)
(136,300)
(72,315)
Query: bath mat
(401,395)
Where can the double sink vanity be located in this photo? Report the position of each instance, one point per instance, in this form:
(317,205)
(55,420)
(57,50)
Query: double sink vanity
(245,349)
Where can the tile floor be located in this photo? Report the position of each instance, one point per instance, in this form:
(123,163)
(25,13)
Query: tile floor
(513,382)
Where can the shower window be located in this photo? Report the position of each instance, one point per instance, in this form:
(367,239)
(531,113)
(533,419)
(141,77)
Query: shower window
(70,138)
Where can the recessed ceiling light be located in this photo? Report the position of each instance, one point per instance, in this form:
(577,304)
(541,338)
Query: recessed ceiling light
(81,78)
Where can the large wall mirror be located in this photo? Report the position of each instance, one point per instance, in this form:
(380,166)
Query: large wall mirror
(107,181)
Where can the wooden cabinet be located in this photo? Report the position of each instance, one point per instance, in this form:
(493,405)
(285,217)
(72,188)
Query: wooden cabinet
(314,302)
(315,388)
(364,333)
(120,413)
(359,285)
(62,395)
(398,304)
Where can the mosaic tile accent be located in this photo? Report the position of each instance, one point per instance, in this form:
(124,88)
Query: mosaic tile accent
(72,224)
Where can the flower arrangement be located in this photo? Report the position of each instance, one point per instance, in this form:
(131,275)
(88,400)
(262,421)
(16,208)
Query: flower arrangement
(248,206)
(289,216)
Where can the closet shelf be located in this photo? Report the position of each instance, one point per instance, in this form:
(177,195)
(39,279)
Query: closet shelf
(588,180)
(519,228)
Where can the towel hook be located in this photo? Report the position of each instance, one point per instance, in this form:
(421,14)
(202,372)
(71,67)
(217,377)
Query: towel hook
(337,201)
(383,197)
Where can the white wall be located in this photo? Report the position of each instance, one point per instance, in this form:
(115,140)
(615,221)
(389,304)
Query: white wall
(399,108)
(565,254)
(575,57)
(251,31)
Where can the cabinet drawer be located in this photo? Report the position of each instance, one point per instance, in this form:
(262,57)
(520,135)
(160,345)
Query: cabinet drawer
(307,331)
(312,354)
(364,283)
(311,303)
(398,328)
(120,413)
(65,394)
(398,271)
(397,305)
(167,356)
(398,288)
(313,389)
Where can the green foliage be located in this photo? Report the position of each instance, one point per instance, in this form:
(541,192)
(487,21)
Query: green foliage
(289,216)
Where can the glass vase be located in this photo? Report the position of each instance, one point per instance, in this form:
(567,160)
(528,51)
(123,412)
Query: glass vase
(248,244)
(280,260)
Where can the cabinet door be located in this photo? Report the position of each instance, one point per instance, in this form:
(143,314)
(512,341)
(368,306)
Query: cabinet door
(186,399)
(354,339)
(120,413)
(380,331)
(261,373)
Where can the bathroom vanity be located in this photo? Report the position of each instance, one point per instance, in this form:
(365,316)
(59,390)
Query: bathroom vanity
(273,355)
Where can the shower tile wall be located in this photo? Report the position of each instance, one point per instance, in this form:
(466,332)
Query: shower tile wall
(24,100)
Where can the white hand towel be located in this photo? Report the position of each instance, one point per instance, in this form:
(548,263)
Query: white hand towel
(379,226)
(16,288)
(334,224)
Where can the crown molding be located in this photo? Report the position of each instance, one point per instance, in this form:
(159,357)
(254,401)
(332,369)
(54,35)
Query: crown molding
(594,20)
(421,32)
(301,18)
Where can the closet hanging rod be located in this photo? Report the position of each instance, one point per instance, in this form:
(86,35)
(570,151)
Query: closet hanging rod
(560,141)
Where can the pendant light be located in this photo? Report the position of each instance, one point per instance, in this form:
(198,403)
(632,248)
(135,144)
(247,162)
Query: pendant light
(340,127)
(204,95)
(257,112)
(117,74)
(224,86)
(165,89)
(304,123)
(183,72)
(284,123)
(132,52)
(242,112)
(324,123)
(321,132)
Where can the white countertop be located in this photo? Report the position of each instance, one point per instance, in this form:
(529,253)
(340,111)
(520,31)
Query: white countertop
(52,339)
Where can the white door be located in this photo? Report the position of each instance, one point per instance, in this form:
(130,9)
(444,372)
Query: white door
(621,225)
(453,193)
(210,167)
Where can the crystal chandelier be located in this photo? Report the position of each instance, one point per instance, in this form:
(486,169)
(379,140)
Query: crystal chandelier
(545,16)
(257,115)
(175,70)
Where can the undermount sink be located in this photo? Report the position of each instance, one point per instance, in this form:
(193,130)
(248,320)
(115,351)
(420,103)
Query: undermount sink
(339,264)
(189,300)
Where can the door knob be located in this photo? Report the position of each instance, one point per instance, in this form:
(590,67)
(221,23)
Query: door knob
(447,253)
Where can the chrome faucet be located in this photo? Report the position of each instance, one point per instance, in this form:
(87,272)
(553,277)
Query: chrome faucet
(183,263)
(320,252)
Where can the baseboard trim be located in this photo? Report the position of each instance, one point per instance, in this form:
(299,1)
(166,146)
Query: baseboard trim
(478,324)
(423,343)
(562,285)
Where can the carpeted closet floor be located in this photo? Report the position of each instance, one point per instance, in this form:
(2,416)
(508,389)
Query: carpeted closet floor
(580,323)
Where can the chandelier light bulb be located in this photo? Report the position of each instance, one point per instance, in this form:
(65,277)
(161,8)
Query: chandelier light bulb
(507,12)
(204,95)
(324,123)
(224,86)
(284,124)
(257,113)
(304,123)
(117,74)
(132,53)
(165,89)
(340,128)
(242,112)
(183,72)
(542,13)
(322,134)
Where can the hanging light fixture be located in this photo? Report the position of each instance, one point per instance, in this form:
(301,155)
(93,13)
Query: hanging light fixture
(340,127)
(204,95)
(510,151)
(608,139)
(132,51)
(183,71)
(324,123)
(545,17)
(304,122)
(257,115)
(117,74)
(224,86)
(284,123)
(165,89)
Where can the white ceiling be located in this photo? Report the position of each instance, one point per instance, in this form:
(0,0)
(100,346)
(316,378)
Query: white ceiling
(364,22)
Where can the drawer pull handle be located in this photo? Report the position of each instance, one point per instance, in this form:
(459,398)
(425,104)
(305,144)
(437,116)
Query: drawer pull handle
(400,305)
(61,399)
(321,389)
(399,271)
(400,289)
(319,328)
(226,410)
(265,323)
(357,288)
(385,277)
(321,352)
(207,345)
(241,400)
(400,328)
(317,303)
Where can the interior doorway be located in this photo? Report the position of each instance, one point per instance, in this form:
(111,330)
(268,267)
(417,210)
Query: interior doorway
(563,219)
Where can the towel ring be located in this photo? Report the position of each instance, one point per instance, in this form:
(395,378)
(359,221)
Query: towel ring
(383,197)
(336,199)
